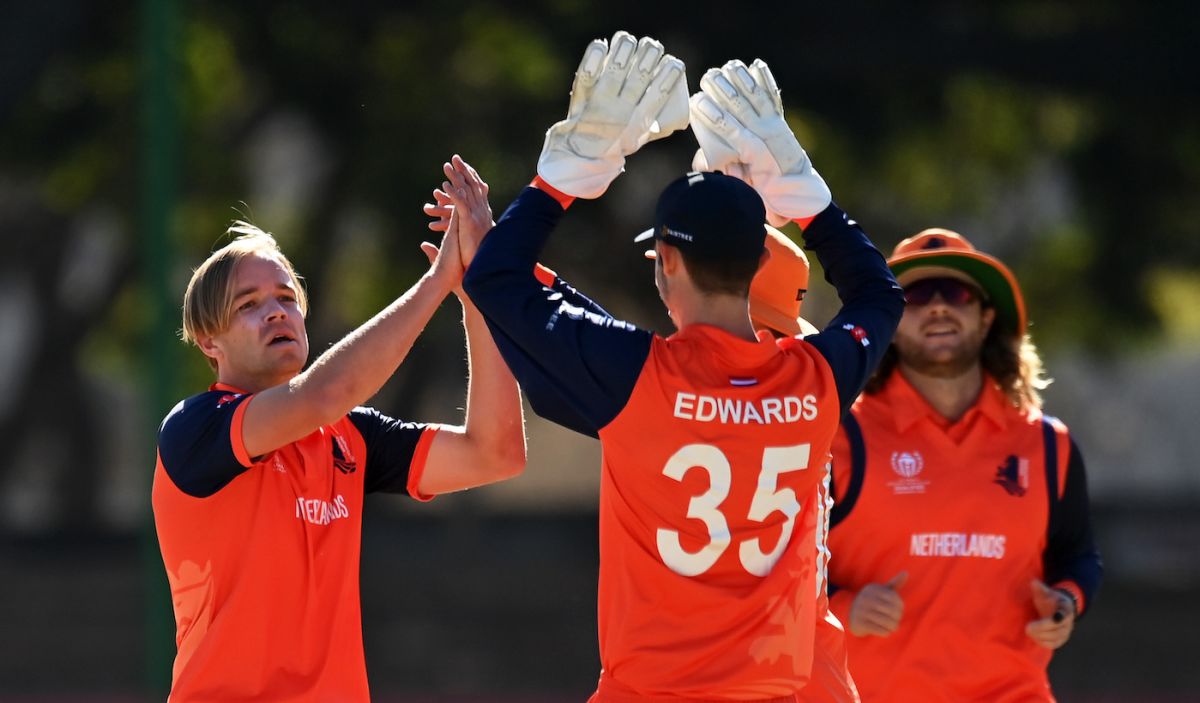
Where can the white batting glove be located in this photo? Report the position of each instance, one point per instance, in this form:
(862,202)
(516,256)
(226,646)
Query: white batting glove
(738,119)
(625,94)
(724,159)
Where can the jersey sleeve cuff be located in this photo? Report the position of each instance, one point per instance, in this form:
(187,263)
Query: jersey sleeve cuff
(236,440)
(544,275)
(416,469)
(563,199)
(1077,592)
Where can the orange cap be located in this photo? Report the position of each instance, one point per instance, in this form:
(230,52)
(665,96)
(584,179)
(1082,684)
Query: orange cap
(779,287)
(942,253)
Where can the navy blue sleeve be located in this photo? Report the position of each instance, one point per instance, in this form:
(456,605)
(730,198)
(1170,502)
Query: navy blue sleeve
(576,363)
(546,399)
(195,445)
(872,302)
(391,444)
(1071,552)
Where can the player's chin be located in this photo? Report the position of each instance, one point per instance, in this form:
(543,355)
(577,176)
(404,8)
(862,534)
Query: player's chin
(288,359)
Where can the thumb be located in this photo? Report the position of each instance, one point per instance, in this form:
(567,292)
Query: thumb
(897,582)
(1044,599)
(430,250)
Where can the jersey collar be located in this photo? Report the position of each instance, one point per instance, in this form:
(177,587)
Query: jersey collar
(909,406)
(227,388)
(732,350)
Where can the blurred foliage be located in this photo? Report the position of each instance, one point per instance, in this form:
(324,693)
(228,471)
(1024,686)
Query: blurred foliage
(1062,137)
(1175,295)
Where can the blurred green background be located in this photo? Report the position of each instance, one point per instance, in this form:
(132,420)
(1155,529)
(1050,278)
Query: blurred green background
(1063,137)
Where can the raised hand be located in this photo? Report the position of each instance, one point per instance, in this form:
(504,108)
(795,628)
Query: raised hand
(737,116)
(446,261)
(625,94)
(463,190)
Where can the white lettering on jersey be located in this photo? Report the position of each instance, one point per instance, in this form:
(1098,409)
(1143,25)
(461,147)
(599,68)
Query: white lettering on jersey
(957,544)
(730,411)
(321,512)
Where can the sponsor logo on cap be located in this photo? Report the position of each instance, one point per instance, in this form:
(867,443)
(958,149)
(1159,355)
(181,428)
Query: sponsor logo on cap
(668,232)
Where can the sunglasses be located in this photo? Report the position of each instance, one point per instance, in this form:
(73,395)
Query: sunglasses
(953,291)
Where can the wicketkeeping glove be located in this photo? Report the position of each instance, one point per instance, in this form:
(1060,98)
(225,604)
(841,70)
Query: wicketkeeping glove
(738,119)
(625,94)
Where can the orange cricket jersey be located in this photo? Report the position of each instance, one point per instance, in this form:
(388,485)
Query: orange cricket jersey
(264,571)
(708,569)
(963,508)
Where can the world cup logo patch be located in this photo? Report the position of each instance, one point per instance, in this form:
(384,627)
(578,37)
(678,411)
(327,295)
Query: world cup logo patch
(907,464)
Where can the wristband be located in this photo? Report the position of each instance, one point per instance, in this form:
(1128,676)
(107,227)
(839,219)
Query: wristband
(1074,604)
(563,199)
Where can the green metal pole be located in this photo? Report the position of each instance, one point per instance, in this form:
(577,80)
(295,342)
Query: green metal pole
(159,160)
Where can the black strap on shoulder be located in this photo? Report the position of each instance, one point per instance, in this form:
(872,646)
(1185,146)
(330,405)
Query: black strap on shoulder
(1050,439)
(858,469)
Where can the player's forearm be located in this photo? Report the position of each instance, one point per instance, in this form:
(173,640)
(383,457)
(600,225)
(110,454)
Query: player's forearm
(589,360)
(346,375)
(872,302)
(494,422)
(1071,554)
(503,268)
(854,267)
(355,368)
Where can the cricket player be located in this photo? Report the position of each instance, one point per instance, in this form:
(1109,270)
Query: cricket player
(962,543)
(258,490)
(713,436)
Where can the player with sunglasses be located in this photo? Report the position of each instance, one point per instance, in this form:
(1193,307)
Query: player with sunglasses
(961,543)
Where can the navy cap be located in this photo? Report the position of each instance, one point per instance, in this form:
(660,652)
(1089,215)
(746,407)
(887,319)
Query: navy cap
(710,216)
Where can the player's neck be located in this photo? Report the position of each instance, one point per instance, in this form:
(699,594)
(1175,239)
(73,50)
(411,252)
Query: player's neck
(727,312)
(250,383)
(950,396)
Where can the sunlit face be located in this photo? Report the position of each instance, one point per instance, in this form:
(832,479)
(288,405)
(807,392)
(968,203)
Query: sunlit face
(265,343)
(943,339)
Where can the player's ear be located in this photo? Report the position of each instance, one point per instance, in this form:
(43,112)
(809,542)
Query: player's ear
(668,258)
(207,346)
(988,315)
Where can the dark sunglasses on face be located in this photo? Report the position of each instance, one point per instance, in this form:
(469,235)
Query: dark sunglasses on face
(952,290)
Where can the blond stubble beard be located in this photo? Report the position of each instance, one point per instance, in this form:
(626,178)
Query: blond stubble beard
(960,360)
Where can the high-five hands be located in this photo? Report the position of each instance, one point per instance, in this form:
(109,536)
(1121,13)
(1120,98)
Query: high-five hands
(446,260)
(626,93)
(461,210)
(467,192)
(737,116)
